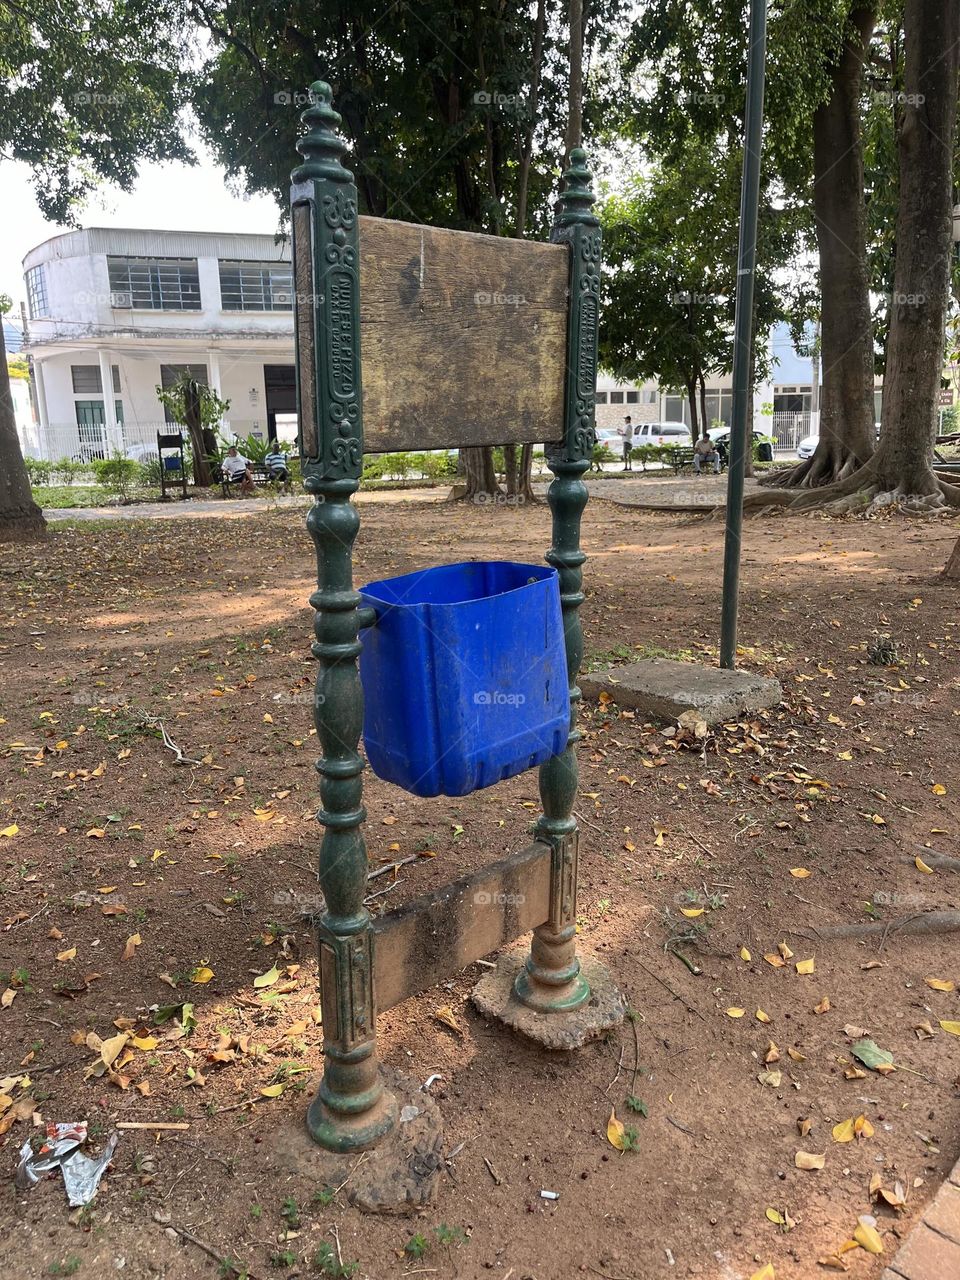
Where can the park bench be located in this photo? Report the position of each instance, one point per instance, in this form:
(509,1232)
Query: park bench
(261,476)
(681,458)
(450,360)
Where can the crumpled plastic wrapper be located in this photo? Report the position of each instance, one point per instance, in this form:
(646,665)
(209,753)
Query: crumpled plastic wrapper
(81,1173)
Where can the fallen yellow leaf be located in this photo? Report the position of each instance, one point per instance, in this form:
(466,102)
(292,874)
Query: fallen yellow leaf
(940,984)
(446,1015)
(939,789)
(616,1134)
(735,1012)
(67,955)
(800,873)
(809,1160)
(777,961)
(96,833)
(132,943)
(867,1236)
(922,866)
(952,1027)
(267,979)
(823,1006)
(272,1090)
(203,973)
(10,831)
(765,1273)
(761,1016)
(692,912)
(745,954)
(806,966)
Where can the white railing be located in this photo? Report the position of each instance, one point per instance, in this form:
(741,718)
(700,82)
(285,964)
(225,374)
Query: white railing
(83,442)
(788,429)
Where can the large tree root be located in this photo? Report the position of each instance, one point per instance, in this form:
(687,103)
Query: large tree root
(939,861)
(929,922)
(814,472)
(865,491)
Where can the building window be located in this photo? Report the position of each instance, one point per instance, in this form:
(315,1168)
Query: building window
(616,397)
(601,397)
(37,293)
(87,380)
(633,397)
(256,286)
(154,284)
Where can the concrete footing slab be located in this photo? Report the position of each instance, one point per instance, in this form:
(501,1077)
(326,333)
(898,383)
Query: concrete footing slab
(661,689)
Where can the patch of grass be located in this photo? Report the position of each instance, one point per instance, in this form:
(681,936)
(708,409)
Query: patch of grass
(325,1261)
(68,1267)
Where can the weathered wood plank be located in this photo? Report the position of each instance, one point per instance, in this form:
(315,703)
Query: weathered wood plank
(463,337)
(436,936)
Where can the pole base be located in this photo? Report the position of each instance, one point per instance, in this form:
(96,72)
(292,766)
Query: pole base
(562,1027)
(397,1176)
(337,1132)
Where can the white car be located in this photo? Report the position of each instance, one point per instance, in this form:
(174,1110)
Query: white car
(807,447)
(662,433)
(141,452)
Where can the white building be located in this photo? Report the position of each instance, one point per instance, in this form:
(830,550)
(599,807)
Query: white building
(127,311)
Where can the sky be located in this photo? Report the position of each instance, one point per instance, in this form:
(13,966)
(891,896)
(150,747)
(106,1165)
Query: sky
(167,197)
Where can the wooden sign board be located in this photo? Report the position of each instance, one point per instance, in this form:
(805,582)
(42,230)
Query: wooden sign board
(463,337)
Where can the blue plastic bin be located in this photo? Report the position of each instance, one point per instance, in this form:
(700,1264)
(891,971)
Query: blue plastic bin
(464,675)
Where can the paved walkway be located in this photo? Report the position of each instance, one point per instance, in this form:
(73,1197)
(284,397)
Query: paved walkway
(654,490)
(229,508)
(932,1249)
(669,491)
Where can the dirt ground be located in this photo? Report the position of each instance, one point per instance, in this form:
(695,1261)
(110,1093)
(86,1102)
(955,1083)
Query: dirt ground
(130,883)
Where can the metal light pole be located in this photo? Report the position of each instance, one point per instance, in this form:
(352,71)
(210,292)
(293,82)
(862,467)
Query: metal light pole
(743,328)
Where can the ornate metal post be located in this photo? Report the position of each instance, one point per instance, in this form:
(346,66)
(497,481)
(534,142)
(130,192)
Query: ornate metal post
(551,980)
(352,1109)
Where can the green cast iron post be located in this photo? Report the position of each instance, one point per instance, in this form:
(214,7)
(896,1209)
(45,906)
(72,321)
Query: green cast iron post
(743,331)
(352,1110)
(551,981)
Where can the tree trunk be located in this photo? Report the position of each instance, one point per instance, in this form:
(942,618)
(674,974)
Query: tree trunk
(846,406)
(191,412)
(20,517)
(921,289)
(525,477)
(510,469)
(523,178)
(480,476)
(574,135)
(692,402)
(901,468)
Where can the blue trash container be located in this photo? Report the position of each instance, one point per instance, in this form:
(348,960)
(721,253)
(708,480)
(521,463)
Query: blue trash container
(464,675)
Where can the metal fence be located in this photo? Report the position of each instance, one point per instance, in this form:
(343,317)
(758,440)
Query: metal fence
(788,429)
(84,441)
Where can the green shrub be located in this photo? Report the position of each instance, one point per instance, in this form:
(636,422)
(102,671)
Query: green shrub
(601,454)
(116,474)
(148,475)
(38,471)
(67,470)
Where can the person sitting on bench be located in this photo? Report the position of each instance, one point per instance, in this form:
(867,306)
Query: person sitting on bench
(236,470)
(275,464)
(705,451)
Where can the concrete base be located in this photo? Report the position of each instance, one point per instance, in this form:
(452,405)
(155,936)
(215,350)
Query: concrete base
(606,1008)
(398,1176)
(663,690)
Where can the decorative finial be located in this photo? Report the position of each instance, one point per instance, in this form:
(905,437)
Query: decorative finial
(322,146)
(577,198)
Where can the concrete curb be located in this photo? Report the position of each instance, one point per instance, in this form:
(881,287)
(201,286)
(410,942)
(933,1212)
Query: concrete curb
(931,1251)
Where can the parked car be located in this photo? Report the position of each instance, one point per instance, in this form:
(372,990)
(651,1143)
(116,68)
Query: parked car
(807,447)
(662,433)
(142,451)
